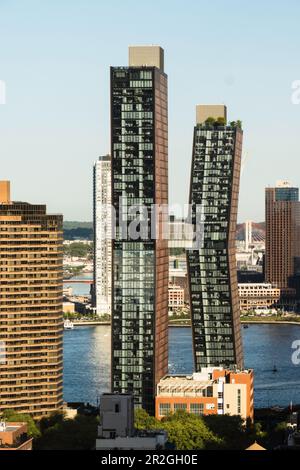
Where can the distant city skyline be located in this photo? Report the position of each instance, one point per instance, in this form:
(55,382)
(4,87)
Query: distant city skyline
(55,66)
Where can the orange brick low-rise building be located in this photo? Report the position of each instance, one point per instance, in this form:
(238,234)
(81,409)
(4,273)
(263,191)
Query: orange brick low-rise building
(13,436)
(211,391)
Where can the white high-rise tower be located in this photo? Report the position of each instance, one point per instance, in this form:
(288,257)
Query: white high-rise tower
(102,235)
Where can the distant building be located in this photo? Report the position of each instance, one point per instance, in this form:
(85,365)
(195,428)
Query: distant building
(179,278)
(258,296)
(211,391)
(31,311)
(176,297)
(116,430)
(180,233)
(67,291)
(68,307)
(282,260)
(214,189)
(13,436)
(102,236)
(250,276)
(178,262)
(248,234)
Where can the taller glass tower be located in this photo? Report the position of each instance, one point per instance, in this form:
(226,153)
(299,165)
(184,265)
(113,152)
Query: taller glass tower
(102,235)
(212,275)
(139,148)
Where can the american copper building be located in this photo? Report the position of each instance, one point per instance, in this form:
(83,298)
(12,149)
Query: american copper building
(139,149)
(31,322)
(282,259)
(213,288)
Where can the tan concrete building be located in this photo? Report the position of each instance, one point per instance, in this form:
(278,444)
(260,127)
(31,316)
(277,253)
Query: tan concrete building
(31,320)
(211,391)
(258,296)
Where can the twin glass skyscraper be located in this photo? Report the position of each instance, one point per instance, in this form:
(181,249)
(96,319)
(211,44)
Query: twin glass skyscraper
(214,189)
(139,149)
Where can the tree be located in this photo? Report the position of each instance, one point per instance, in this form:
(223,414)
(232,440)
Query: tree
(79,433)
(185,431)
(189,432)
(12,416)
(145,421)
(221,121)
(235,432)
(56,418)
(210,121)
(80,250)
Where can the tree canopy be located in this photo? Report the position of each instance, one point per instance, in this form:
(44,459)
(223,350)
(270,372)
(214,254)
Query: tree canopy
(12,416)
(191,432)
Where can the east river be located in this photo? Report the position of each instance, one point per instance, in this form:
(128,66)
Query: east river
(87,361)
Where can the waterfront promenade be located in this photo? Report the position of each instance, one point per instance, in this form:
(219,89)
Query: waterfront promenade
(187,324)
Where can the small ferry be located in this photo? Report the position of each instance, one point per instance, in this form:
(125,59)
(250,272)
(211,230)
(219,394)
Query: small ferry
(68,325)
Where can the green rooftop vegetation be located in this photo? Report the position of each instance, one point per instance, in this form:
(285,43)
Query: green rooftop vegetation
(220,122)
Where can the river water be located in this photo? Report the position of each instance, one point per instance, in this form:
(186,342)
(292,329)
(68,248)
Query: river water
(87,361)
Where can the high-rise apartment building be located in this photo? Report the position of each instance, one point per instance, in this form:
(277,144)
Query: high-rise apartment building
(139,140)
(31,321)
(282,260)
(214,190)
(102,236)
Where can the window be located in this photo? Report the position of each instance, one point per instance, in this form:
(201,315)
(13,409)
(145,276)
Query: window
(197,408)
(117,408)
(164,409)
(179,406)
(239,401)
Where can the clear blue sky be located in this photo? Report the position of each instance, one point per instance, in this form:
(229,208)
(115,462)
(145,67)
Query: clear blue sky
(55,57)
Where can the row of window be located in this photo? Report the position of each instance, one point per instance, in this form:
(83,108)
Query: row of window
(194,408)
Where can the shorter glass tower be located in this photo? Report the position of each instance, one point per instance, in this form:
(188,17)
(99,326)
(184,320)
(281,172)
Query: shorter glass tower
(212,275)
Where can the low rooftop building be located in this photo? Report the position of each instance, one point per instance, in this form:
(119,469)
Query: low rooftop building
(116,430)
(212,391)
(13,436)
(260,295)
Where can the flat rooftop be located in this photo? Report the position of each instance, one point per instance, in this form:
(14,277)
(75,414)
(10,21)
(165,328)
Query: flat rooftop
(182,383)
(10,428)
